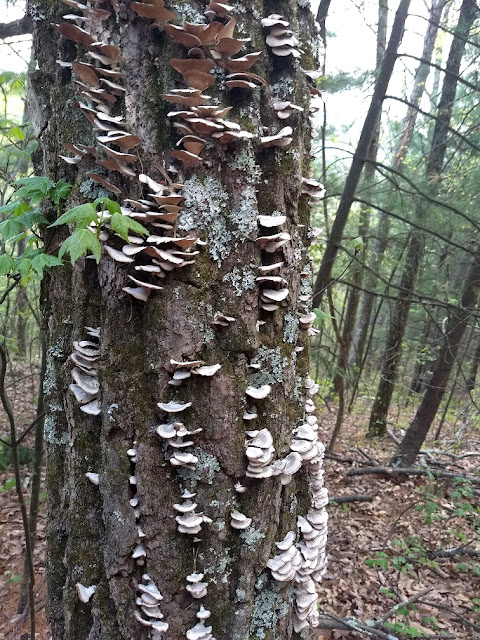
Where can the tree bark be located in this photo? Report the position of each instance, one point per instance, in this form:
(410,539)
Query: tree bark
(361,153)
(434,168)
(472,376)
(93,530)
(418,429)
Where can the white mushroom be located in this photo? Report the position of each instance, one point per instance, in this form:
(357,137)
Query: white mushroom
(85,593)
(173,407)
(258,392)
(93,477)
(239,520)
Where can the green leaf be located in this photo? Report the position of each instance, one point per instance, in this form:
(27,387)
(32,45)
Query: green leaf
(111,206)
(31,218)
(43,261)
(6,264)
(79,243)
(62,191)
(82,215)
(23,266)
(16,132)
(34,188)
(10,228)
(11,207)
(123,224)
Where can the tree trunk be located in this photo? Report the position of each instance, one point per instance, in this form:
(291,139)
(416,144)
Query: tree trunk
(383,227)
(434,168)
(94,530)
(472,376)
(364,224)
(418,429)
(334,240)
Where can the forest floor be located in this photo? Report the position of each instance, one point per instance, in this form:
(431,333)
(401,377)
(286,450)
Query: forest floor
(375,560)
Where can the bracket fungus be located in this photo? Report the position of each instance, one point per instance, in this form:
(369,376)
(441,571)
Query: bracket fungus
(280,38)
(85,593)
(281,139)
(239,521)
(86,385)
(148,612)
(258,392)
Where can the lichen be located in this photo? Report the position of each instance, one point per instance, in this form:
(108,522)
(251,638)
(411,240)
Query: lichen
(272,364)
(282,89)
(241,278)
(205,469)
(268,608)
(91,190)
(208,207)
(251,536)
(290,328)
(50,432)
(187,13)
(111,409)
(244,161)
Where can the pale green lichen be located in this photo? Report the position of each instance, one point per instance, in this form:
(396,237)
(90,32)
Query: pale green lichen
(187,13)
(282,89)
(241,8)
(205,469)
(272,364)
(110,411)
(50,432)
(304,4)
(293,504)
(241,595)
(55,351)
(208,206)
(290,328)
(252,536)
(244,161)
(91,190)
(241,278)
(269,607)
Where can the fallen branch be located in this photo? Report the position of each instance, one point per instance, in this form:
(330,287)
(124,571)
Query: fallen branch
(456,551)
(444,607)
(348,459)
(405,603)
(393,437)
(411,471)
(16,28)
(343,499)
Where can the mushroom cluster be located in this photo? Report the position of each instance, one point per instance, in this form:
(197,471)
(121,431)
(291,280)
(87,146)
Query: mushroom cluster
(313,190)
(195,587)
(305,563)
(209,45)
(139,552)
(200,631)
(285,565)
(188,520)
(148,611)
(184,370)
(281,38)
(86,386)
(260,452)
(274,289)
(239,521)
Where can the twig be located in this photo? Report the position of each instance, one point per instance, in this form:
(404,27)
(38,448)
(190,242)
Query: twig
(405,603)
(393,437)
(445,607)
(16,281)
(30,427)
(343,499)
(18,484)
(411,471)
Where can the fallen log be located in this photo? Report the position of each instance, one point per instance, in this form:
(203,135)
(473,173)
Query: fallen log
(411,471)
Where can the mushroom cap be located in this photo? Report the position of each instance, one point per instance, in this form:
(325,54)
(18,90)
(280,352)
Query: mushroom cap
(85,593)
(258,392)
(166,431)
(88,383)
(271,221)
(91,408)
(93,477)
(203,613)
(195,577)
(81,396)
(278,295)
(263,439)
(207,370)
(287,542)
(173,407)
(293,462)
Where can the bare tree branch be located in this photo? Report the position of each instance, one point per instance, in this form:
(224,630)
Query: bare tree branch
(16,28)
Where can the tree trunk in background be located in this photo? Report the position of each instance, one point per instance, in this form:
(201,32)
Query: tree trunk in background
(334,240)
(434,168)
(364,225)
(418,429)
(383,227)
(92,530)
(472,376)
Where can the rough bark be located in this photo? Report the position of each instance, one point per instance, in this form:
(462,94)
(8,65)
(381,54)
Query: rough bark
(418,429)
(434,168)
(472,376)
(323,278)
(383,227)
(92,530)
